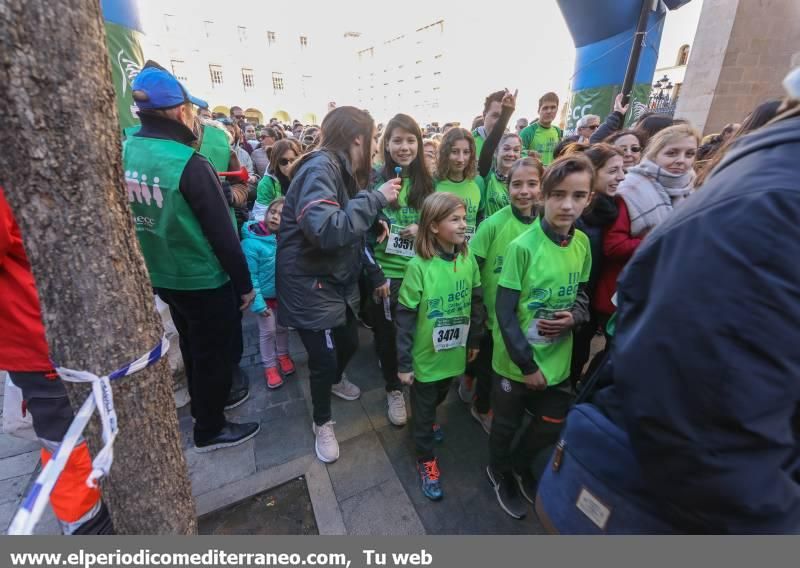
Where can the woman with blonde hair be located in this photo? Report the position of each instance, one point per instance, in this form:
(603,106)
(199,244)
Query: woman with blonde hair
(647,196)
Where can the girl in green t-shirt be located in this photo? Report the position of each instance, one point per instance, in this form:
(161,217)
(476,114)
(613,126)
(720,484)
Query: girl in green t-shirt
(457,174)
(386,263)
(489,249)
(276,179)
(541,297)
(439,322)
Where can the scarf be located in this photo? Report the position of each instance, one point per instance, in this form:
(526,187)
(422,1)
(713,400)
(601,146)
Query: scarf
(602,211)
(650,193)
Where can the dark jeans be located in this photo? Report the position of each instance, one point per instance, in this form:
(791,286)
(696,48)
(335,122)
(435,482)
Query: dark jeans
(329,351)
(482,369)
(207,322)
(509,401)
(386,336)
(425,398)
(239,379)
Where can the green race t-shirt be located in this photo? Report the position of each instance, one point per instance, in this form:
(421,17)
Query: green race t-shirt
(547,277)
(471,191)
(479,141)
(268,189)
(394,253)
(490,242)
(496,195)
(544,142)
(441,292)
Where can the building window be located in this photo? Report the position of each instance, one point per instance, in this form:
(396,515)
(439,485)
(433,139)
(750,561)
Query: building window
(241,31)
(683,55)
(248,80)
(178,70)
(208,27)
(277,82)
(303,41)
(216,74)
(271,38)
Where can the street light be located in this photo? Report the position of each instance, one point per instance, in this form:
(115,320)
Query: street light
(660,93)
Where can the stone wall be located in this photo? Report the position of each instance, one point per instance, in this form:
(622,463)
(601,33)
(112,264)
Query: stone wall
(742,51)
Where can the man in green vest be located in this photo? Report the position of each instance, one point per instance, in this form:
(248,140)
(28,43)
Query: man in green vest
(191,249)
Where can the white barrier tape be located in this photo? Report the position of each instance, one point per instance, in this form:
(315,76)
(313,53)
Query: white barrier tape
(101,398)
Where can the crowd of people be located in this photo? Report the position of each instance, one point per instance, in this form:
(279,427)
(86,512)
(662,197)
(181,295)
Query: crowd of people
(490,258)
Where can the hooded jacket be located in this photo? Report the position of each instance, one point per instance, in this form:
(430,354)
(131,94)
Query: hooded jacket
(323,227)
(259,246)
(706,358)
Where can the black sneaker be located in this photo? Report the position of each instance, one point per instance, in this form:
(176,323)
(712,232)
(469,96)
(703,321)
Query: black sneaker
(507,493)
(527,485)
(237,397)
(232,434)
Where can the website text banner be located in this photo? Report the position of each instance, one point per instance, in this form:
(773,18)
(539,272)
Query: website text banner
(433,552)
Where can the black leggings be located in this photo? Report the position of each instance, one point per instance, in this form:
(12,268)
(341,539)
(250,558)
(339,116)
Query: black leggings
(329,351)
(386,335)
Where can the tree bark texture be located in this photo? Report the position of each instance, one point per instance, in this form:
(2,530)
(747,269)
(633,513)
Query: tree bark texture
(61,167)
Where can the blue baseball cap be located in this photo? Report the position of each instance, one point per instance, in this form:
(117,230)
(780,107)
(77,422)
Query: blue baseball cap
(159,89)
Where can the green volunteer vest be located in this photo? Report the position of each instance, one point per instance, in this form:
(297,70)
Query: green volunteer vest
(547,276)
(490,243)
(471,191)
(394,253)
(496,195)
(177,253)
(215,148)
(441,293)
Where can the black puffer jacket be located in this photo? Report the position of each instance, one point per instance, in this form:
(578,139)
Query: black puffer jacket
(321,242)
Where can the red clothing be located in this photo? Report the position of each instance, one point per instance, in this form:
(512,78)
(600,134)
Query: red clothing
(618,248)
(23,346)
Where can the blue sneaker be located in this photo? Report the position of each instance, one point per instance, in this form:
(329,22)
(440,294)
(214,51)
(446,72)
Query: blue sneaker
(429,476)
(438,435)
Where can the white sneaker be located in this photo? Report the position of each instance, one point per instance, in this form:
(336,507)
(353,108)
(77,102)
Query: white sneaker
(396,408)
(345,389)
(326,446)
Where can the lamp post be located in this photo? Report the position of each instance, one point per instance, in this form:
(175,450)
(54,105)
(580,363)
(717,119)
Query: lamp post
(660,99)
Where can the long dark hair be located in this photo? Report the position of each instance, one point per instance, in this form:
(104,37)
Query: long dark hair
(274,154)
(443,165)
(339,128)
(420,180)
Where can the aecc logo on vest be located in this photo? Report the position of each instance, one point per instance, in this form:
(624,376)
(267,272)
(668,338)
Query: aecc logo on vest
(139,191)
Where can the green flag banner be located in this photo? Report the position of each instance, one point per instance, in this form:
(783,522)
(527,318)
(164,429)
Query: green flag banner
(600,101)
(125,52)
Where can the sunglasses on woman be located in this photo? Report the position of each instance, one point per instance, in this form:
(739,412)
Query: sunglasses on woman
(286,161)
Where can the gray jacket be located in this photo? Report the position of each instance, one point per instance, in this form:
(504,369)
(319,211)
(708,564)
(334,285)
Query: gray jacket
(260,161)
(322,238)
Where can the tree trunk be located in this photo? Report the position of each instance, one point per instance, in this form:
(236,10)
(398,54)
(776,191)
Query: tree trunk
(61,167)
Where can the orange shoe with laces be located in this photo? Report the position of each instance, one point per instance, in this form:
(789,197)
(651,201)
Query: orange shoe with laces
(429,476)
